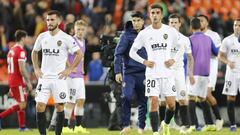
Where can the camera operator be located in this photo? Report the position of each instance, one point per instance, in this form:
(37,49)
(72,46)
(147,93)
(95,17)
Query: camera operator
(108,47)
(133,72)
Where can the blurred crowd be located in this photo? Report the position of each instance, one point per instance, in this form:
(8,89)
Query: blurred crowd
(105,17)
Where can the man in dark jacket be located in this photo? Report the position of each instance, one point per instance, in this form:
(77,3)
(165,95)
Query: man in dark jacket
(131,74)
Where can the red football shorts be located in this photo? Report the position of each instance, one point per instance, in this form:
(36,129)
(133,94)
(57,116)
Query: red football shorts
(18,93)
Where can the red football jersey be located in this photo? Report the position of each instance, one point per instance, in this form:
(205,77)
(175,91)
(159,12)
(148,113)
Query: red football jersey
(16,53)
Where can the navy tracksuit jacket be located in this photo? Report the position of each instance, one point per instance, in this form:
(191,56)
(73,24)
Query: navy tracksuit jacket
(133,76)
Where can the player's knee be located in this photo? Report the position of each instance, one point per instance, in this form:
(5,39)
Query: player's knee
(171,106)
(80,102)
(231,98)
(69,105)
(40,107)
(182,102)
(154,103)
(212,100)
(59,107)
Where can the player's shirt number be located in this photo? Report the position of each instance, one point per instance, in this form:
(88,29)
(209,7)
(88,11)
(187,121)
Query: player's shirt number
(10,65)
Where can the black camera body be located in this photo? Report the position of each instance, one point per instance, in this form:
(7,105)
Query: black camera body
(108,45)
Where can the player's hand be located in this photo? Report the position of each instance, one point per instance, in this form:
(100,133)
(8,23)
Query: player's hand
(64,74)
(75,70)
(118,77)
(29,86)
(148,63)
(38,73)
(192,80)
(169,63)
(231,64)
(9,93)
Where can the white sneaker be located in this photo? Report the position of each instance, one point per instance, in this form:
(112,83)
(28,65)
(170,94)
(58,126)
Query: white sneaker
(125,131)
(165,128)
(173,125)
(219,124)
(183,130)
(191,129)
(140,131)
(155,133)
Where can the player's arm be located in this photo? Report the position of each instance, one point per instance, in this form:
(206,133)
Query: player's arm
(68,65)
(78,56)
(119,52)
(223,58)
(118,55)
(190,67)
(190,61)
(133,54)
(25,74)
(177,56)
(36,48)
(168,63)
(138,44)
(214,49)
(35,62)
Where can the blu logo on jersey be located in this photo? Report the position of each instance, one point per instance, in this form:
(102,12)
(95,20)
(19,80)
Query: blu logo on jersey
(157,46)
(51,52)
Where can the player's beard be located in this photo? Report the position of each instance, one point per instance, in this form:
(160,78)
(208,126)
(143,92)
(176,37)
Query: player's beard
(52,28)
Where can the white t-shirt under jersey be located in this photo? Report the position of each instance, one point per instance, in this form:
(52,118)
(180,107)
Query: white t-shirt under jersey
(231,47)
(55,51)
(158,44)
(185,43)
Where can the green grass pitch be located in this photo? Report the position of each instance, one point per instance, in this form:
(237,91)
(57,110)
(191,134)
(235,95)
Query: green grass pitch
(104,131)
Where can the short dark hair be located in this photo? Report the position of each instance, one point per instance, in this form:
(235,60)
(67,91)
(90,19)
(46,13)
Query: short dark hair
(195,23)
(54,12)
(137,14)
(204,16)
(156,5)
(68,27)
(174,16)
(238,19)
(19,34)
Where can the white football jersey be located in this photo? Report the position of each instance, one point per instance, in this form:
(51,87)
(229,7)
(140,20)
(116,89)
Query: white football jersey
(158,44)
(231,47)
(55,50)
(185,43)
(215,38)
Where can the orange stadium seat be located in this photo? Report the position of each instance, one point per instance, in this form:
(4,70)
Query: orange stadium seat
(216,4)
(224,11)
(236,4)
(234,13)
(191,11)
(204,11)
(3,71)
(206,4)
(227,4)
(196,3)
